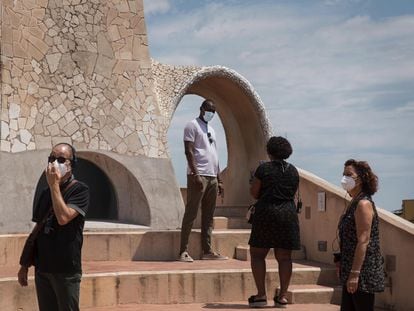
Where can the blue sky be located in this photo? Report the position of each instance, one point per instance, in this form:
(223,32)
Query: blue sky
(336,77)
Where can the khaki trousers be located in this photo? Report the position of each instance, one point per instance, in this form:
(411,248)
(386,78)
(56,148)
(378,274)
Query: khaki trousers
(196,198)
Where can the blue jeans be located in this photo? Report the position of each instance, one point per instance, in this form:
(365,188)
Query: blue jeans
(58,291)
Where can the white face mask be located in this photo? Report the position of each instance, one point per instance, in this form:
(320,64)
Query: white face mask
(348,183)
(208,115)
(63,169)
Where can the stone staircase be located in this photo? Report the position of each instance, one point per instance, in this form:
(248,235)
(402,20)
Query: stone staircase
(231,217)
(137,268)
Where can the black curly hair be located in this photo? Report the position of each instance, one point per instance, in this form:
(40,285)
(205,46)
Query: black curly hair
(279,148)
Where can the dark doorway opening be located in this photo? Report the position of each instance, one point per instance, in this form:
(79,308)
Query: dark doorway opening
(103,202)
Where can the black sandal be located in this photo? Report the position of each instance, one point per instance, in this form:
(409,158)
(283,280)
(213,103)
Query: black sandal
(257,303)
(280,301)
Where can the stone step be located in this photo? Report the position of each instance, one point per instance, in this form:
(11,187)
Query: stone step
(231,211)
(222,223)
(243,253)
(116,283)
(222,306)
(134,245)
(227,217)
(143,245)
(308,294)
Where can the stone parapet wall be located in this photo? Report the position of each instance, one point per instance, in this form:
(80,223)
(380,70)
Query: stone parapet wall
(78,71)
(396,238)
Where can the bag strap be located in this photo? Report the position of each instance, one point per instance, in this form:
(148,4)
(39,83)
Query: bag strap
(299,200)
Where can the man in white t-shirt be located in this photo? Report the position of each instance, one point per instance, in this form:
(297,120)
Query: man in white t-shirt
(203,182)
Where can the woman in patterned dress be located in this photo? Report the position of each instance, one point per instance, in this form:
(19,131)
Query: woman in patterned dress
(361,263)
(275,221)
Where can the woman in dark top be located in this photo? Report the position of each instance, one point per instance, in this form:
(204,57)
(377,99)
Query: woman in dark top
(275,222)
(360,265)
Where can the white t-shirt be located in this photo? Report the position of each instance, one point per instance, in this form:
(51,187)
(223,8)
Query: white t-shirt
(205,149)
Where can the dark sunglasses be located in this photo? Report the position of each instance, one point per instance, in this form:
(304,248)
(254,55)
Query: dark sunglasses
(52,159)
(209,138)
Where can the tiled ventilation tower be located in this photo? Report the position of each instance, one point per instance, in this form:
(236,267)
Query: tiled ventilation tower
(80,72)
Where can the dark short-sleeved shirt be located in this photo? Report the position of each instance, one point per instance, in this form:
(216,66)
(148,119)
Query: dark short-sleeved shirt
(58,248)
(279,181)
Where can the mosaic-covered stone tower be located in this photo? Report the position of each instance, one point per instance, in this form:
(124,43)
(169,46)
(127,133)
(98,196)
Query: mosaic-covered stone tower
(79,71)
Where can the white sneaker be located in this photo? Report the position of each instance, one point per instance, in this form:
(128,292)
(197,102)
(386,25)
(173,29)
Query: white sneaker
(214,256)
(185,257)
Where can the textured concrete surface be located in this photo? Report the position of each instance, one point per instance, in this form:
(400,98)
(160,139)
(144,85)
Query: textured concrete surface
(133,245)
(147,190)
(106,284)
(92,267)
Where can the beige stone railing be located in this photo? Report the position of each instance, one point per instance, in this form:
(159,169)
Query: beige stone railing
(318,235)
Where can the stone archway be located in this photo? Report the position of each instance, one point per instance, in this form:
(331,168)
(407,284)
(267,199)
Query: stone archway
(103,204)
(241,112)
(145,189)
(131,202)
(115,193)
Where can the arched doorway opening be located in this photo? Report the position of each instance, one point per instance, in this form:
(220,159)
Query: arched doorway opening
(103,203)
(185,112)
(115,192)
(246,126)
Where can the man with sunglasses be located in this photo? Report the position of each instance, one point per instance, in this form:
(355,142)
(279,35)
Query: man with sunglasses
(203,182)
(59,211)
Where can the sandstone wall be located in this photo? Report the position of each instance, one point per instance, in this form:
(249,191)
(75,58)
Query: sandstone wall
(78,71)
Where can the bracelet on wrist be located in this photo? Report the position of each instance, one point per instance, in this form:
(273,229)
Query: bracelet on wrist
(355,272)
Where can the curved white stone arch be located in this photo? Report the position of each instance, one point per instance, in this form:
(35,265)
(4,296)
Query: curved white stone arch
(132,204)
(241,112)
(239,80)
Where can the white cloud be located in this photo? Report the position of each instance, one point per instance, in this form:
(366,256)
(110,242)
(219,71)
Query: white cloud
(156,6)
(339,85)
(408,108)
(298,52)
(179,58)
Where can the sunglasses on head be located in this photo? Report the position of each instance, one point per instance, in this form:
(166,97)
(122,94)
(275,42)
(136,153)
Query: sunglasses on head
(52,159)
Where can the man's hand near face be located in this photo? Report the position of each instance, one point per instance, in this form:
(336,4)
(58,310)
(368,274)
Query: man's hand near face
(52,175)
